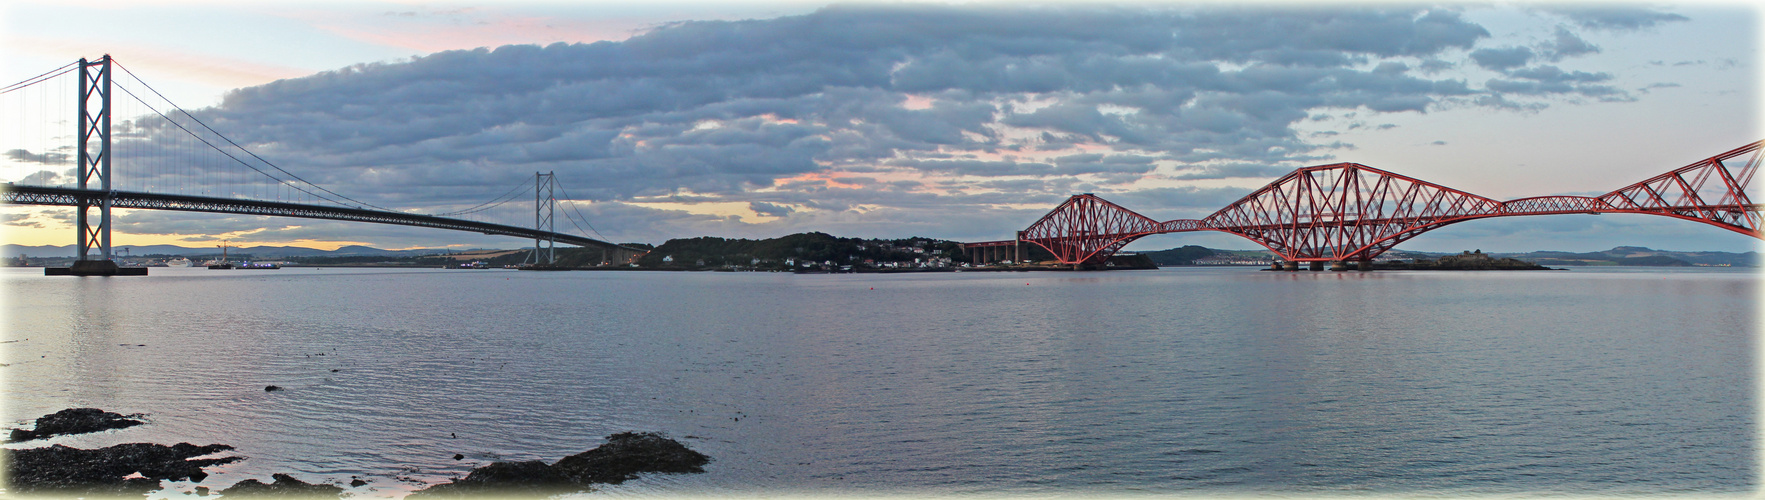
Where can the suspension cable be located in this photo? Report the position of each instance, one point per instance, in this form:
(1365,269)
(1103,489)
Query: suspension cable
(579,214)
(242,148)
(493,203)
(219,150)
(40,78)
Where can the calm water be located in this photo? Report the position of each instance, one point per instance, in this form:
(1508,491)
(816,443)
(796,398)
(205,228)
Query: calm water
(1230,381)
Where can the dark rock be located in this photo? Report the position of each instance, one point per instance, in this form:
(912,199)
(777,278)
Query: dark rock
(284,486)
(75,421)
(201,491)
(62,470)
(355,482)
(502,479)
(459,456)
(502,473)
(272,388)
(628,453)
(622,458)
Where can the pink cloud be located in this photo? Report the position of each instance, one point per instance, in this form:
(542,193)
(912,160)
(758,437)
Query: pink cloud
(432,31)
(163,62)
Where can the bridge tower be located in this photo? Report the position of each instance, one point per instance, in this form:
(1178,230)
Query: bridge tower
(544,205)
(94,123)
(93,126)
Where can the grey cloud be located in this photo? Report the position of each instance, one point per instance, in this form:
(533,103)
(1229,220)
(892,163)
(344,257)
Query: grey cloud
(44,178)
(56,156)
(840,69)
(1117,178)
(1189,202)
(184,223)
(1548,80)
(1502,59)
(1500,102)
(1104,164)
(1541,88)
(1236,34)
(1567,45)
(975,167)
(1553,74)
(1018,185)
(1615,17)
(1553,81)
(722,108)
(1431,66)
(63,216)
(1230,170)
(19,220)
(769,209)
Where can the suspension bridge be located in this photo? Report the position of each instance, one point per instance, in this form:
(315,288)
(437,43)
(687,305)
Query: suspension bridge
(167,158)
(1348,212)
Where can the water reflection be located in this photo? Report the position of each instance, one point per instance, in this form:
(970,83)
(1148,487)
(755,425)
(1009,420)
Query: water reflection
(1213,380)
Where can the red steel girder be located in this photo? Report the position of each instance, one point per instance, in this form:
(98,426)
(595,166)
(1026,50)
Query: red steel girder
(1344,211)
(1712,191)
(1088,229)
(1349,211)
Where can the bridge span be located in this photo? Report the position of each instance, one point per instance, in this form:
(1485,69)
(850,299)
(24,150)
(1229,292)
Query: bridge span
(175,150)
(68,197)
(1348,212)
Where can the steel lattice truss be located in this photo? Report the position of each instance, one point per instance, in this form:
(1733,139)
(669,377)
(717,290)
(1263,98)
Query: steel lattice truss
(1086,227)
(32,195)
(1712,191)
(1348,211)
(1345,211)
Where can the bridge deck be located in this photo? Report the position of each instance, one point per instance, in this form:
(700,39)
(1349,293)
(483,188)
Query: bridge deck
(37,195)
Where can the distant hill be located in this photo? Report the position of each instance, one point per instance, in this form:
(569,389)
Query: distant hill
(1181,256)
(1639,256)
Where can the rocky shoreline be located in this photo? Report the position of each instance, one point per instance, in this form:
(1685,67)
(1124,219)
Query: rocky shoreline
(75,421)
(622,458)
(136,469)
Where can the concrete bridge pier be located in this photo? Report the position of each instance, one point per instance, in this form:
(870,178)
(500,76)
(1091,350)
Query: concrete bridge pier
(1019,252)
(1338,266)
(1364,264)
(1289,265)
(1317,265)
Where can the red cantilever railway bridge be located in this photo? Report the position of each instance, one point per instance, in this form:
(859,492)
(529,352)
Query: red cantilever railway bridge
(1351,212)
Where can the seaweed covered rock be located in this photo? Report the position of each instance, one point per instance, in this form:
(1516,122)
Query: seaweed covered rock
(622,458)
(75,421)
(533,478)
(628,453)
(62,470)
(283,485)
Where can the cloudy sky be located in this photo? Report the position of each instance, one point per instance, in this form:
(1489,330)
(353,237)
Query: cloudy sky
(964,121)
